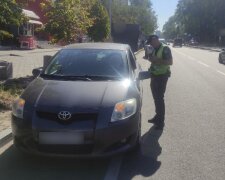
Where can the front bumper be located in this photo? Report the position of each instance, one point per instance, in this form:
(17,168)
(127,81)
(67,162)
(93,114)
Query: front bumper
(116,138)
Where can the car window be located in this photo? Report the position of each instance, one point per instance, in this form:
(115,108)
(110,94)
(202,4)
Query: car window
(89,62)
(132,60)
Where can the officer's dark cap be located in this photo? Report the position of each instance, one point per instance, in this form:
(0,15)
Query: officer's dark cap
(152,37)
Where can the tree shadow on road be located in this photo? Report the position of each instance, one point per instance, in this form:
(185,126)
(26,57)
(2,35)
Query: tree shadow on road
(143,162)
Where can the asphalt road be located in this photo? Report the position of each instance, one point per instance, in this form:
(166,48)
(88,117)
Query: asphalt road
(193,142)
(191,147)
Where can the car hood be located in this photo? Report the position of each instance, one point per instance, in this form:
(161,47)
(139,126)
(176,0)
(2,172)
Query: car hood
(75,96)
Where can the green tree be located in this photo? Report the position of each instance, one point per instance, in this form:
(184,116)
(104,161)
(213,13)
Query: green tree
(68,19)
(100,29)
(138,12)
(202,19)
(11,14)
(170,28)
(122,13)
(105,3)
(142,3)
(147,20)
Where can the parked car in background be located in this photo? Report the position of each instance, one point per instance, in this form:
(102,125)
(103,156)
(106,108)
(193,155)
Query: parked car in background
(222,57)
(178,42)
(86,103)
(193,43)
(162,40)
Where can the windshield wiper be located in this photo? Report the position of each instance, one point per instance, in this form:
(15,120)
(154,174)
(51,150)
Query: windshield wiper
(50,76)
(64,77)
(102,77)
(82,77)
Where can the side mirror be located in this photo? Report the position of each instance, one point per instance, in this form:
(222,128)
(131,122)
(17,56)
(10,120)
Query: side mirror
(223,49)
(37,71)
(144,75)
(46,61)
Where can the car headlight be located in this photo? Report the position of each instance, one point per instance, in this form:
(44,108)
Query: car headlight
(17,107)
(124,109)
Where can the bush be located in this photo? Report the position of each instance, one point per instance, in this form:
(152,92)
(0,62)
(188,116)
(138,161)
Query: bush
(12,89)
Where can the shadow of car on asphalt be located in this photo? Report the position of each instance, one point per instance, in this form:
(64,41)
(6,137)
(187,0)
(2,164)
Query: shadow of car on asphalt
(143,162)
(20,166)
(16,165)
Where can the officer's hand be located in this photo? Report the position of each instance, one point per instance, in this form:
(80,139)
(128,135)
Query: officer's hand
(153,59)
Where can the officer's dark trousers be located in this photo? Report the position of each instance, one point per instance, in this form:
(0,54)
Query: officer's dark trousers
(158,87)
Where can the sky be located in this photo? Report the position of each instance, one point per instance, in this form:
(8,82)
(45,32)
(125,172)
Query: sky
(164,9)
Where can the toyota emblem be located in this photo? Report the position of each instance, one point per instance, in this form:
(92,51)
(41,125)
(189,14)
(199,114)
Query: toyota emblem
(64,115)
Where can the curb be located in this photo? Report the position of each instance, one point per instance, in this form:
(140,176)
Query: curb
(205,48)
(5,136)
(210,49)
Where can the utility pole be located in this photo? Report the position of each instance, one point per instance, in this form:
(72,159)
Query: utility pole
(110,17)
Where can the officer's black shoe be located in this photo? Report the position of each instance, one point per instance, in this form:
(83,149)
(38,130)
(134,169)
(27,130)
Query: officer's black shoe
(153,120)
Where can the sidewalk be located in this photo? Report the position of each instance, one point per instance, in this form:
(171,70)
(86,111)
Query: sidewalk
(5,127)
(40,45)
(24,61)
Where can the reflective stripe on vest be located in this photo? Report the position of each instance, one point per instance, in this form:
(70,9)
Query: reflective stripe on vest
(159,69)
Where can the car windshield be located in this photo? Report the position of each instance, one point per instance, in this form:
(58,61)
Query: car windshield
(89,63)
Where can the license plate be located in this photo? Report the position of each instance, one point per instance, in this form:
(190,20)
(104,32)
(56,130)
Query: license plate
(63,138)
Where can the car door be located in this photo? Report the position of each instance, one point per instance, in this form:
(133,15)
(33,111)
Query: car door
(135,69)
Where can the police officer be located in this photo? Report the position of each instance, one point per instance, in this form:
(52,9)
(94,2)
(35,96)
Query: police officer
(161,60)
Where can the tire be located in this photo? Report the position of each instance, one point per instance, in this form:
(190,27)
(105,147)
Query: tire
(220,60)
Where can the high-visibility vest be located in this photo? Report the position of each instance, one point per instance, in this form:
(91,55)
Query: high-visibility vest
(159,69)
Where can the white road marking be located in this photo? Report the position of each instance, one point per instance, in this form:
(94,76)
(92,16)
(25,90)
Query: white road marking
(180,53)
(221,72)
(113,170)
(200,62)
(206,65)
(191,58)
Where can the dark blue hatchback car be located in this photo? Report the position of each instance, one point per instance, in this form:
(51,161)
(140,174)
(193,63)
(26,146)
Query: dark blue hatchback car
(87,102)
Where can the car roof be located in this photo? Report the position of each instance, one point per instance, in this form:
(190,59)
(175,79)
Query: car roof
(112,46)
